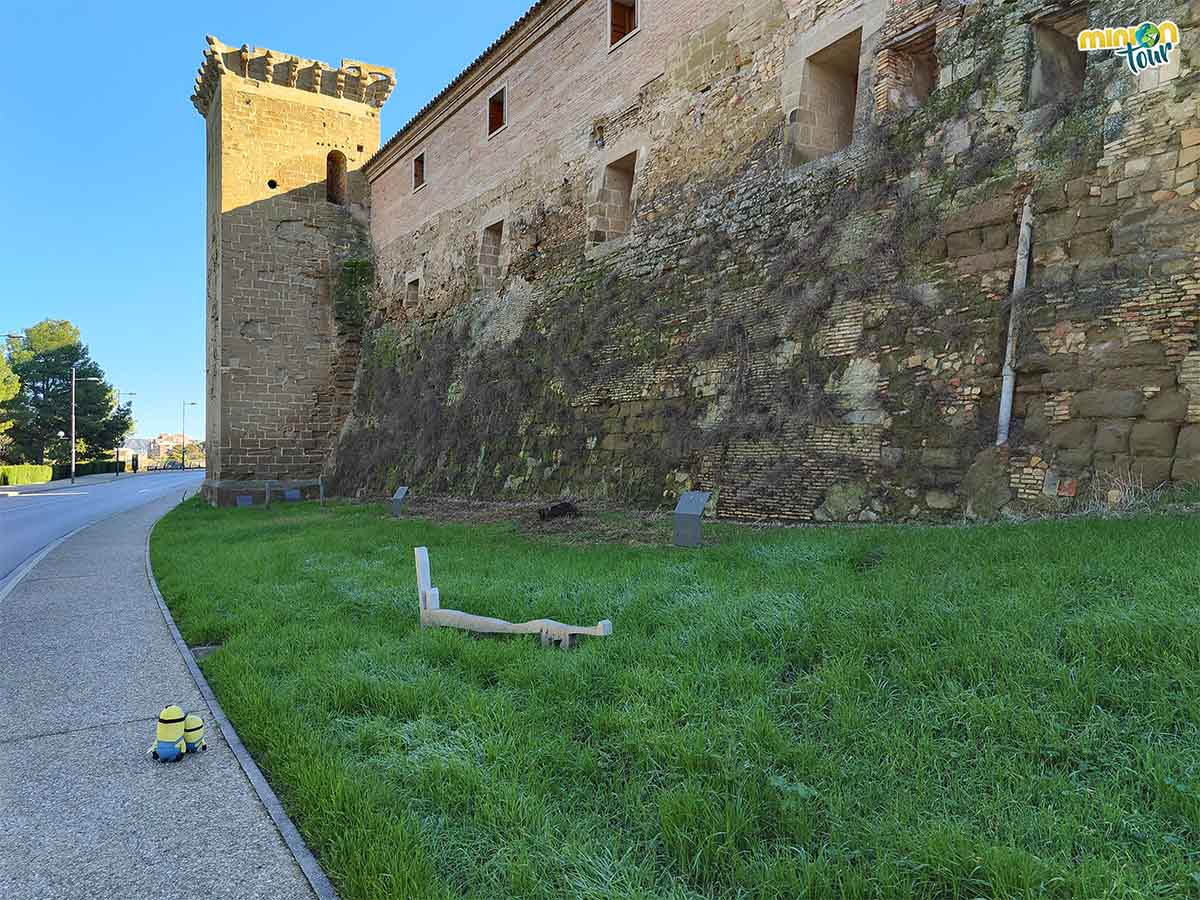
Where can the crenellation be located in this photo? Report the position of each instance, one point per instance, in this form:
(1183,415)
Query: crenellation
(352,80)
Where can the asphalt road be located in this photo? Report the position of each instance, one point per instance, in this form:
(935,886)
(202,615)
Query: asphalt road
(34,516)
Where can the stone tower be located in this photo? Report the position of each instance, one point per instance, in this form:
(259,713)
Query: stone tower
(287,249)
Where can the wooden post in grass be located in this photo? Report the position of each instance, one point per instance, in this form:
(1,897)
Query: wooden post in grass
(432,615)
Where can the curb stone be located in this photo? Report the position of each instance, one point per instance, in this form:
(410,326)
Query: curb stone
(316,877)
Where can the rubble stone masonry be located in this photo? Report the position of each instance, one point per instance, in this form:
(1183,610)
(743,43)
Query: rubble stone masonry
(762,247)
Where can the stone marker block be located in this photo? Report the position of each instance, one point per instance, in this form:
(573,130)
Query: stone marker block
(398,499)
(245,500)
(688,513)
(291,495)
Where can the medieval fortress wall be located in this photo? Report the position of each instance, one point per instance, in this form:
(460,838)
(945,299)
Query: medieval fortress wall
(763,247)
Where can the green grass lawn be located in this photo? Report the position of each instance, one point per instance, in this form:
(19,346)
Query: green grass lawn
(1002,711)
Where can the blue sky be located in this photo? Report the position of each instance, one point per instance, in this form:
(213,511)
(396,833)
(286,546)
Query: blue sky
(102,196)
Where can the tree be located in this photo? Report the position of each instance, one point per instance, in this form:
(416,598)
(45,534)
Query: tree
(9,385)
(42,359)
(195,453)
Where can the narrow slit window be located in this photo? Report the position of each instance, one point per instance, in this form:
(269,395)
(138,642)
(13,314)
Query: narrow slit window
(497,111)
(489,256)
(623,19)
(335,177)
(419,172)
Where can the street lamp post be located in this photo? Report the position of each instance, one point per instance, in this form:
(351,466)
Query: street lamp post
(183,426)
(117,450)
(75,377)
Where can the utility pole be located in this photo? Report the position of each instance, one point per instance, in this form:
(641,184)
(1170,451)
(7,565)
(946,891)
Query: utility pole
(117,450)
(74,378)
(183,426)
(74,372)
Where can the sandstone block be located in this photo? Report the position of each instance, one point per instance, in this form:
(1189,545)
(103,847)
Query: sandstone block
(985,262)
(1057,226)
(1135,377)
(1189,442)
(1153,439)
(1168,406)
(1034,364)
(1079,380)
(1116,464)
(1112,436)
(992,212)
(1076,435)
(1186,470)
(1152,471)
(940,457)
(1036,425)
(1107,404)
(1145,353)
(964,243)
(1090,246)
(1074,459)
(996,237)
(940,500)
(986,485)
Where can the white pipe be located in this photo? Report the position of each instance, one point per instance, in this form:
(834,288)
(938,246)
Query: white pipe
(1019,280)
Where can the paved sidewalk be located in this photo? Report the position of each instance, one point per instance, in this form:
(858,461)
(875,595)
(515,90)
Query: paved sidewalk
(86,663)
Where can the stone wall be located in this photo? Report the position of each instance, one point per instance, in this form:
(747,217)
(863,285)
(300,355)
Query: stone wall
(810,338)
(283,318)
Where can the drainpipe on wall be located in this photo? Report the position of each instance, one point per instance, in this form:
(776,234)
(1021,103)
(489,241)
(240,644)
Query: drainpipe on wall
(1019,281)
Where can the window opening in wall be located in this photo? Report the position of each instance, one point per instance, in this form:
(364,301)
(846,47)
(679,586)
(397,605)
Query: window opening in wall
(412,292)
(419,172)
(489,256)
(623,20)
(615,206)
(335,177)
(824,121)
(1059,66)
(272,183)
(497,111)
(907,71)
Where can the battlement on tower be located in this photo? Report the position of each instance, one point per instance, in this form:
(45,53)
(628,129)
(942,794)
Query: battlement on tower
(351,80)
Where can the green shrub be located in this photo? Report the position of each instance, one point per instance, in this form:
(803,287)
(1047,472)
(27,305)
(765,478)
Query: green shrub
(25,474)
(96,467)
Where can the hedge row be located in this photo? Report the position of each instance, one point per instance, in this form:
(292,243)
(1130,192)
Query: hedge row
(63,470)
(25,474)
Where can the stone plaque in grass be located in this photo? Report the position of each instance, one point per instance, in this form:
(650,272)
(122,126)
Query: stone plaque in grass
(398,499)
(688,513)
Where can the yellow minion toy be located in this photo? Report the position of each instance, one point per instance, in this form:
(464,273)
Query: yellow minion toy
(193,733)
(169,745)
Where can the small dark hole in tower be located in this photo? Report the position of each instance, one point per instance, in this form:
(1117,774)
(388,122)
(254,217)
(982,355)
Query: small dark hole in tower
(272,184)
(360,148)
